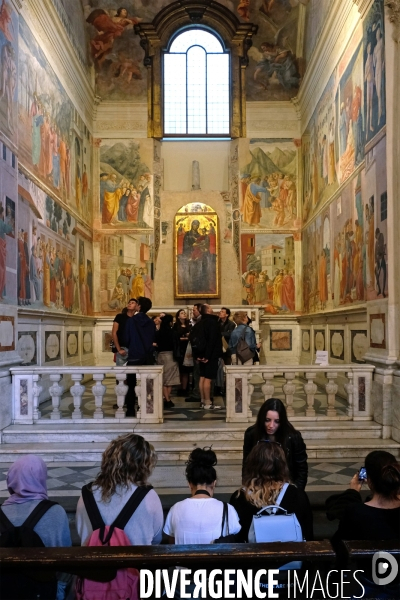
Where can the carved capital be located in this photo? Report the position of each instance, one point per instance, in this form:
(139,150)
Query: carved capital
(393,7)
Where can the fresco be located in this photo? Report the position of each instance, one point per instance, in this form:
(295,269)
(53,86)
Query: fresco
(126,269)
(274,71)
(268,185)
(317,13)
(268,271)
(374,68)
(54,142)
(344,248)
(196,244)
(9,69)
(126,184)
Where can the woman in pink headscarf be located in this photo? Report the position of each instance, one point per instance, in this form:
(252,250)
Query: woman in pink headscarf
(27,486)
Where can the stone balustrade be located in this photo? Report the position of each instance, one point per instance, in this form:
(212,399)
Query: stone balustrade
(26,385)
(311,381)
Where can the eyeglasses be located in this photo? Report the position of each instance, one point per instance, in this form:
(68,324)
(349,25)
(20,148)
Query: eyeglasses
(270,442)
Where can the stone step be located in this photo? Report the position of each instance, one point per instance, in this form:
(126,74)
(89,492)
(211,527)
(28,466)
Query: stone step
(179,450)
(171,431)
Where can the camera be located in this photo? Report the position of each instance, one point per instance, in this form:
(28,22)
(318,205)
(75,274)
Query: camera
(362,474)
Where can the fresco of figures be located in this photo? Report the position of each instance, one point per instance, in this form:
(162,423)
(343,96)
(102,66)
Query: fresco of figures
(54,266)
(126,184)
(268,185)
(126,269)
(349,114)
(8,69)
(344,248)
(54,142)
(268,272)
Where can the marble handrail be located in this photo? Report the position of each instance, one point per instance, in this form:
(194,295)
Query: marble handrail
(354,380)
(26,383)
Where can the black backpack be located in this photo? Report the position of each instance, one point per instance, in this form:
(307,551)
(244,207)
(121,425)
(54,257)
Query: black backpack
(198,340)
(26,585)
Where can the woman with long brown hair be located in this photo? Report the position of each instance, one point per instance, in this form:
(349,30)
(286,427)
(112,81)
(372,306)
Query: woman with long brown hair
(265,473)
(127,463)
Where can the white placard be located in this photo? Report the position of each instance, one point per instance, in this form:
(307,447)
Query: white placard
(321,357)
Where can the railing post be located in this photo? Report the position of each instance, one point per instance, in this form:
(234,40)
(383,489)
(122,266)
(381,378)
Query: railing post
(77,391)
(289,388)
(150,394)
(349,387)
(238,394)
(120,390)
(268,387)
(98,392)
(22,394)
(36,390)
(310,389)
(138,392)
(331,389)
(362,395)
(56,391)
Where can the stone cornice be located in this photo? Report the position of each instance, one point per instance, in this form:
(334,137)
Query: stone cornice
(363,6)
(393,7)
(43,19)
(334,38)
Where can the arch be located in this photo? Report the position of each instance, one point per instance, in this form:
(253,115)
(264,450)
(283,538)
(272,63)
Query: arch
(235,37)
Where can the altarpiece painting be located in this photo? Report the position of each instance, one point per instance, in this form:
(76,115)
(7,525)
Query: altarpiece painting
(196,252)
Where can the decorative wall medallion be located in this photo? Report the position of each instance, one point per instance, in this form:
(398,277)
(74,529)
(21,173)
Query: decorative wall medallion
(72,343)
(377,331)
(359,346)
(26,347)
(23,397)
(280,340)
(306,340)
(6,333)
(319,339)
(52,344)
(87,342)
(337,344)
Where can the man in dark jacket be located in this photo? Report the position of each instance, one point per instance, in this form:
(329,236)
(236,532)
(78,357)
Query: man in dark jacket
(208,329)
(140,336)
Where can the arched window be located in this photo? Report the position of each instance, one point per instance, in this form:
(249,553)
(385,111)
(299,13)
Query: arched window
(196,85)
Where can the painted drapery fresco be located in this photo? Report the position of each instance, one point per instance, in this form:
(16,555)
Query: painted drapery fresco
(8,69)
(268,185)
(126,184)
(268,272)
(350,113)
(126,269)
(54,142)
(196,238)
(344,248)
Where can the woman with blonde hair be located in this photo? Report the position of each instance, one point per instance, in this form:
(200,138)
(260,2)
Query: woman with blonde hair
(242,329)
(127,463)
(265,474)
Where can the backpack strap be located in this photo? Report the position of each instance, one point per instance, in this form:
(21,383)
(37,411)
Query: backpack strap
(31,521)
(91,508)
(225,518)
(131,506)
(281,494)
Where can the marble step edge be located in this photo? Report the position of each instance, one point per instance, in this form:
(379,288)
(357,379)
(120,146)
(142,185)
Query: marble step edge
(187,436)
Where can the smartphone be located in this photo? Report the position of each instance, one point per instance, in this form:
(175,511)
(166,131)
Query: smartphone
(362,474)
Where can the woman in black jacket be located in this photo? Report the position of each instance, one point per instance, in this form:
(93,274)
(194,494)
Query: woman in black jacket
(272,424)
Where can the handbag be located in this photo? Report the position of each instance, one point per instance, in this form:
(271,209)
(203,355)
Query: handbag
(273,527)
(243,351)
(228,538)
(188,358)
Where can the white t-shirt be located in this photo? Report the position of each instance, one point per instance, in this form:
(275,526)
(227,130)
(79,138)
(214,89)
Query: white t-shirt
(199,521)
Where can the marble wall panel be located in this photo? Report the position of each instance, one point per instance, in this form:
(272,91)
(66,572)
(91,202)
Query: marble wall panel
(9,64)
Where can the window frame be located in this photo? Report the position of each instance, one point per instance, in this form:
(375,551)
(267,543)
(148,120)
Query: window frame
(225,51)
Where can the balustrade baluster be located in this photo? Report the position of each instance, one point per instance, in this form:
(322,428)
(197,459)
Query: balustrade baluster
(77,391)
(98,392)
(120,390)
(349,387)
(36,390)
(310,389)
(268,387)
(56,391)
(289,388)
(331,390)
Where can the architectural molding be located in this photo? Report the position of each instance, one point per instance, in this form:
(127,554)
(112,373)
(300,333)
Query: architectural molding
(47,28)
(236,36)
(272,119)
(120,119)
(363,6)
(393,7)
